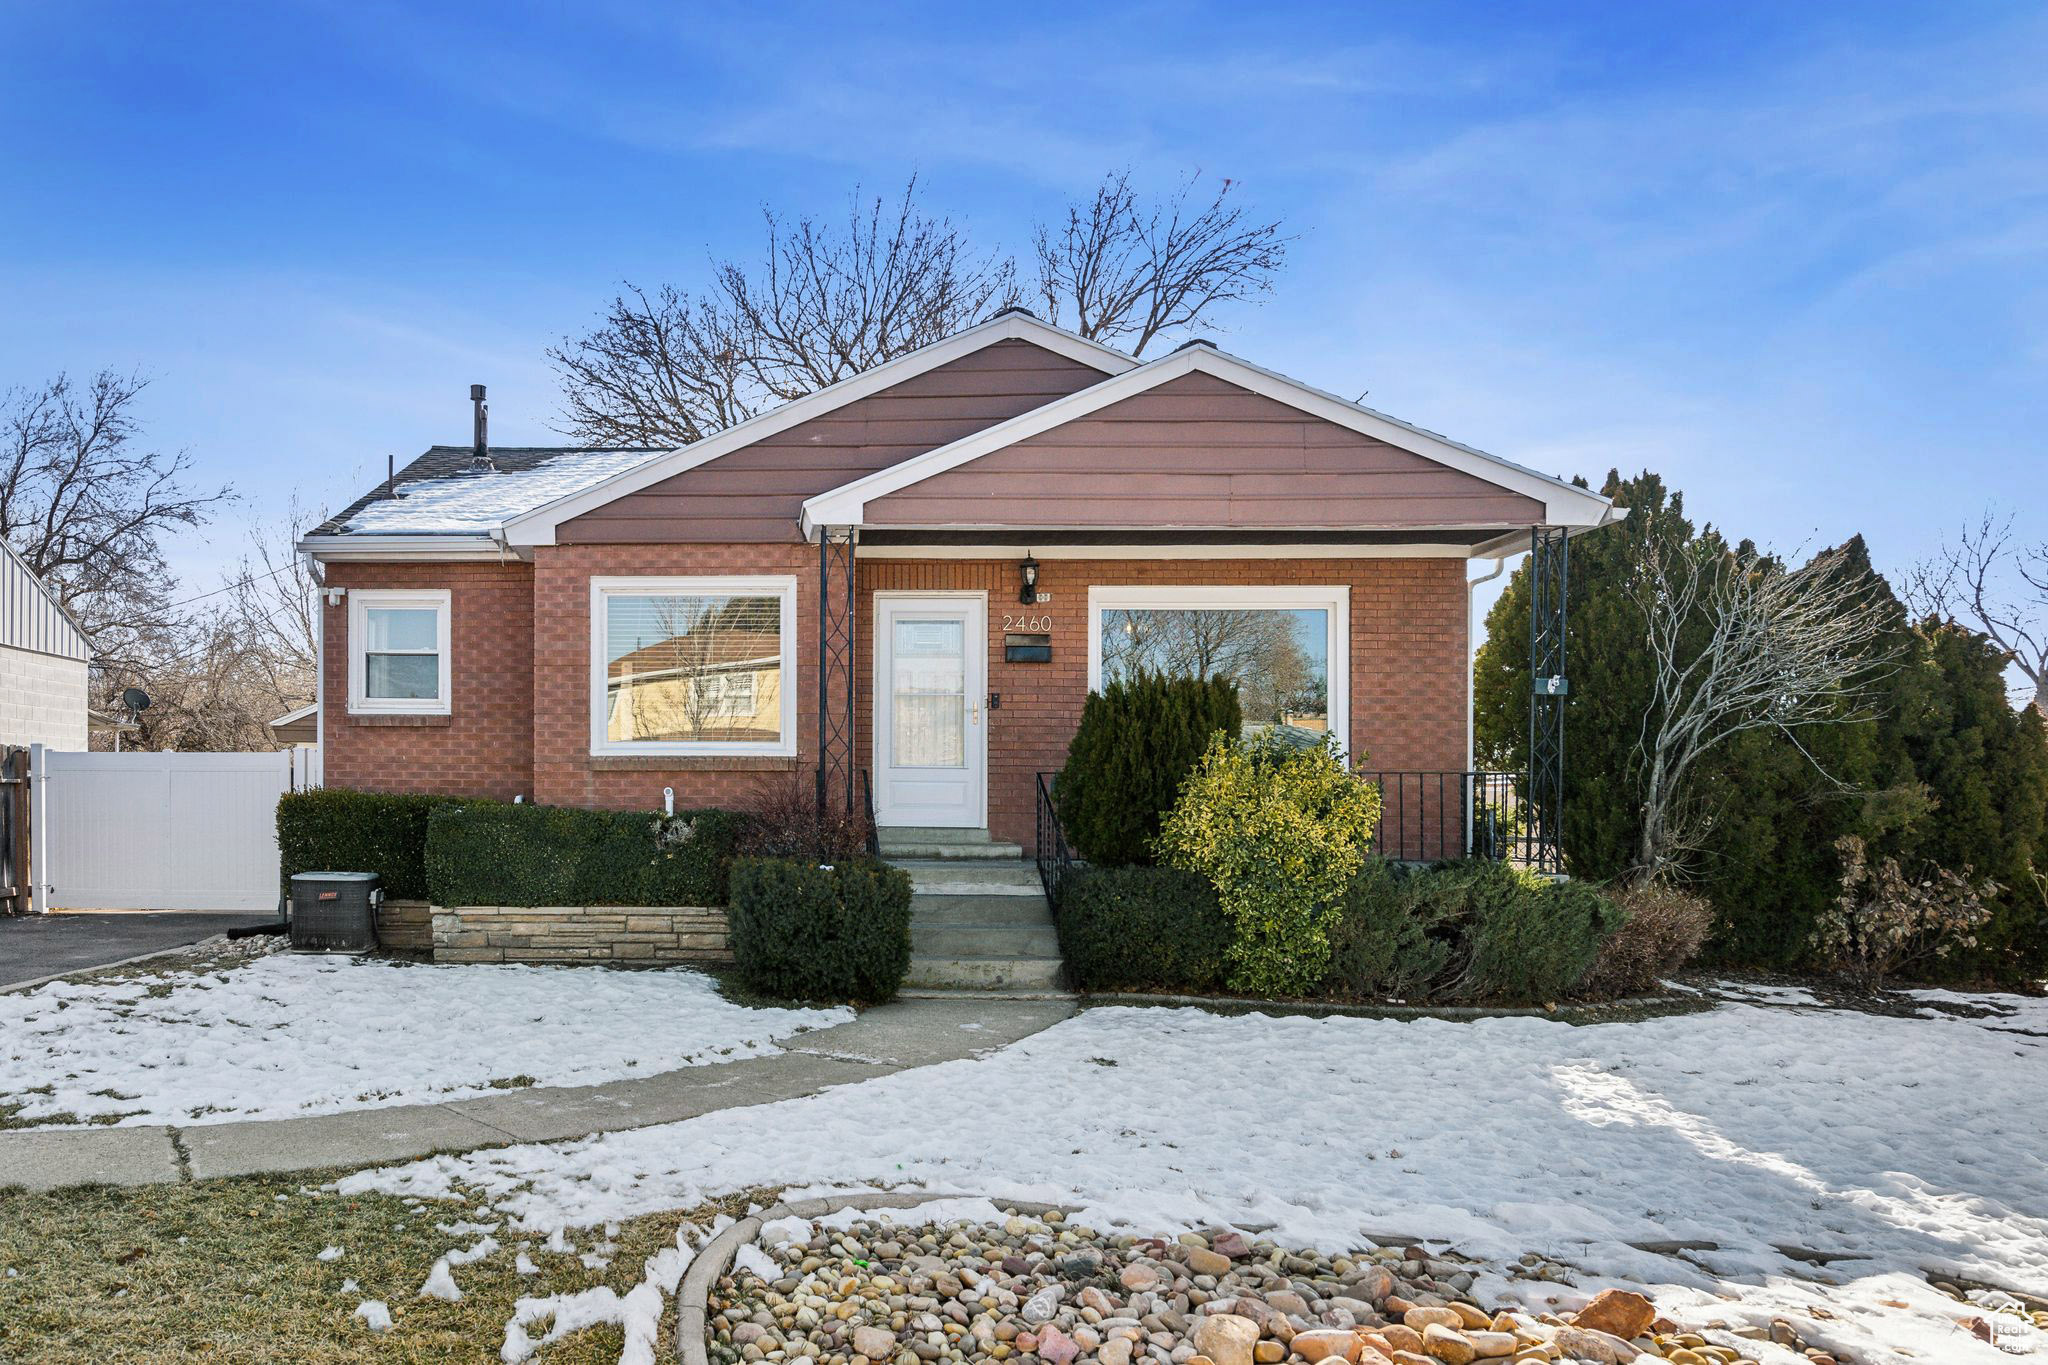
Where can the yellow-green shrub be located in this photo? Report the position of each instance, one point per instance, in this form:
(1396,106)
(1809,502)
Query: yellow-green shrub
(1280,831)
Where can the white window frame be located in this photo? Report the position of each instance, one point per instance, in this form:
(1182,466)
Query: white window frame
(360,602)
(782,586)
(1335,599)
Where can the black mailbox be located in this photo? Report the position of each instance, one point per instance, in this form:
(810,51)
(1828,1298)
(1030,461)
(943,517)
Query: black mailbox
(1027,649)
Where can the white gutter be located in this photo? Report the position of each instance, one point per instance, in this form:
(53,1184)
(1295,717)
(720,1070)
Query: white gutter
(330,549)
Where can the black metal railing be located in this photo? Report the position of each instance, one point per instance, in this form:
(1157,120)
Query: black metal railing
(1428,817)
(1054,857)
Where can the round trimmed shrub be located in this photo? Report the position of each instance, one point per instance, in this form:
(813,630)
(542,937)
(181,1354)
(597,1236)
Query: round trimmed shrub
(802,931)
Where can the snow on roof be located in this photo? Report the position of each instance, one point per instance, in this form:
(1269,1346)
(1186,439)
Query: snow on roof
(440,493)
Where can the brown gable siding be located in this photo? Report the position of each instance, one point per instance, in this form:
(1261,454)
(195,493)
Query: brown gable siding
(1200,451)
(756,493)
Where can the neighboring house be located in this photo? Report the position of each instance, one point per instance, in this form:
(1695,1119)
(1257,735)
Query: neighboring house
(43,662)
(298,729)
(838,587)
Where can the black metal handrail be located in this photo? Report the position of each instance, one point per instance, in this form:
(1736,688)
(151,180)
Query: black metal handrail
(1053,854)
(867,802)
(1434,816)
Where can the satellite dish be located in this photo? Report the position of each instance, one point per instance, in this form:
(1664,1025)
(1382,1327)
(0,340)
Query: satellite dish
(135,699)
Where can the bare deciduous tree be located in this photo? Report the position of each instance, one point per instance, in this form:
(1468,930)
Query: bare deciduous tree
(1119,269)
(1990,581)
(1736,643)
(86,507)
(828,300)
(220,666)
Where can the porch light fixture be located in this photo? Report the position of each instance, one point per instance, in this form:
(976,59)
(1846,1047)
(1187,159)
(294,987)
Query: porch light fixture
(1027,574)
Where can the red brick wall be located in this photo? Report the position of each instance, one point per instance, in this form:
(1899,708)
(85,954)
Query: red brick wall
(521,671)
(1410,666)
(484,747)
(564,772)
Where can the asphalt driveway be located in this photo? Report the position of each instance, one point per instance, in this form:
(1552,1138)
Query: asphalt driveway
(36,946)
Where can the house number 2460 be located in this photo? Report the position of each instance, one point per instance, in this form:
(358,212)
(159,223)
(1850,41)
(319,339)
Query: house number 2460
(1024,621)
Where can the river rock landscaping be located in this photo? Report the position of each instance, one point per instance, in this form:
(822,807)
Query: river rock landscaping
(853,1290)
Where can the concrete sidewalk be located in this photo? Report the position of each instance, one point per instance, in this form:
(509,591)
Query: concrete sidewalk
(896,1037)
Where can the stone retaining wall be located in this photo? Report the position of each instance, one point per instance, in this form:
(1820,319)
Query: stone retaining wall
(625,935)
(407,926)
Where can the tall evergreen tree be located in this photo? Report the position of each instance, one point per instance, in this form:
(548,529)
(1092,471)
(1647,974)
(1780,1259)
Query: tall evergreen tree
(1983,767)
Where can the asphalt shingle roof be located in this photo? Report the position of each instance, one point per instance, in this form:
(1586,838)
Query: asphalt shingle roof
(441,493)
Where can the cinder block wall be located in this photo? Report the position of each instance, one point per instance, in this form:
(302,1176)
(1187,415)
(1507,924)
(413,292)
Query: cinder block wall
(42,699)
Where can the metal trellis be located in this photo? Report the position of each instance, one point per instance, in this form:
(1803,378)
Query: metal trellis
(1549,579)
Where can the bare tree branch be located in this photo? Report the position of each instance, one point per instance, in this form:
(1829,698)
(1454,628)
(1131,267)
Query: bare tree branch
(1737,643)
(826,301)
(1987,580)
(86,509)
(1117,268)
(219,667)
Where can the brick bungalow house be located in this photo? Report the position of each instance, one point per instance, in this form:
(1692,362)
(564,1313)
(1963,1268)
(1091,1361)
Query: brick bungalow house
(906,584)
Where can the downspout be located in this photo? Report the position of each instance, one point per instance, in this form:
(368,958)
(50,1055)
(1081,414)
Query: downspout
(1500,564)
(320,605)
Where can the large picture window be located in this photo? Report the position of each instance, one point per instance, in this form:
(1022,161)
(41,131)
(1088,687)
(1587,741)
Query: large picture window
(693,665)
(398,652)
(1285,648)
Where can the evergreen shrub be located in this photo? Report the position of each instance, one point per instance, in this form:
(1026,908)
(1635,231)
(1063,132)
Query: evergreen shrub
(1138,739)
(802,931)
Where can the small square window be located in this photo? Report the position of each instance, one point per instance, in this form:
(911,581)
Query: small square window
(398,652)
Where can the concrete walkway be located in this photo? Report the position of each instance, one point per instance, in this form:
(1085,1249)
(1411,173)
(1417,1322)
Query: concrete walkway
(896,1037)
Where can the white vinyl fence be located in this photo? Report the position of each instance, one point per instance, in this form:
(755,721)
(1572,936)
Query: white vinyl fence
(151,831)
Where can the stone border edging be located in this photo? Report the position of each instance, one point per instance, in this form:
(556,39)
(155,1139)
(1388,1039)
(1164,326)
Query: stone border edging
(693,1294)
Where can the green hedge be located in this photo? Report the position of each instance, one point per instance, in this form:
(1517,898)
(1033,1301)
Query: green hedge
(489,853)
(1471,932)
(1466,932)
(1385,943)
(333,829)
(1141,928)
(806,932)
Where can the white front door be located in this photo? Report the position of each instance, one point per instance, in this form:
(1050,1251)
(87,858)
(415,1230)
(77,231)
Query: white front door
(931,735)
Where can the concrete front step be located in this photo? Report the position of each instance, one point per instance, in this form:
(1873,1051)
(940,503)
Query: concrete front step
(966,877)
(978,908)
(948,850)
(984,940)
(985,973)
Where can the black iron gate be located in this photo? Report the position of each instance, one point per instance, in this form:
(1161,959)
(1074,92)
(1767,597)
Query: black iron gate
(14,870)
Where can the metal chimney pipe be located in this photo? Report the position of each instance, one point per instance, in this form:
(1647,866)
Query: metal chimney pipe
(480,439)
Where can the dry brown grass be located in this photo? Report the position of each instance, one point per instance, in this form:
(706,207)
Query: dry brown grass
(223,1270)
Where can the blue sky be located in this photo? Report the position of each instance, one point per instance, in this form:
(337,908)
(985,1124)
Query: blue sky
(1793,256)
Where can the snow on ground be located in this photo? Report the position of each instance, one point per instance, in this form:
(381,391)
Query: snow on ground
(287,1035)
(1906,1144)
